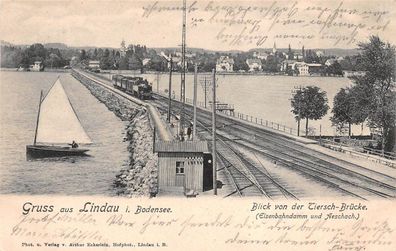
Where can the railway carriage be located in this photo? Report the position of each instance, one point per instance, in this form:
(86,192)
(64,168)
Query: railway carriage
(136,86)
(117,81)
(129,86)
(124,82)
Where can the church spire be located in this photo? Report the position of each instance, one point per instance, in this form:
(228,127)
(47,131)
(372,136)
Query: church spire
(123,44)
(123,49)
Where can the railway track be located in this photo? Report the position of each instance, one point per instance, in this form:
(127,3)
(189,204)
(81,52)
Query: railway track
(247,178)
(291,155)
(251,179)
(307,164)
(237,166)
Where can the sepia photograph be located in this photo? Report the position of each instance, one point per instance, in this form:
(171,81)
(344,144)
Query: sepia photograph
(181,104)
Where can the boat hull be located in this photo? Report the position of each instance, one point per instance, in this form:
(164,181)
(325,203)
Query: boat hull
(37,151)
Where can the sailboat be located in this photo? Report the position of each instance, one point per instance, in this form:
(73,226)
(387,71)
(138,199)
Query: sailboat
(57,127)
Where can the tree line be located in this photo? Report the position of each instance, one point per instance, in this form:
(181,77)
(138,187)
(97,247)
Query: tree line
(370,99)
(13,57)
(135,56)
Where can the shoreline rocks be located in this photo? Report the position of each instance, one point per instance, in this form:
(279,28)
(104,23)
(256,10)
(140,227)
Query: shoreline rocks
(140,176)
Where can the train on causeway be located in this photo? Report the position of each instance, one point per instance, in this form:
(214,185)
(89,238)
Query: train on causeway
(135,86)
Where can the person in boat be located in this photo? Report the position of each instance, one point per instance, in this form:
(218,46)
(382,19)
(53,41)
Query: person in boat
(74,144)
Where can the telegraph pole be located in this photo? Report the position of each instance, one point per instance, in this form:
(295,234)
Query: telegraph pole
(158,74)
(195,101)
(170,89)
(299,117)
(214,134)
(183,75)
(205,91)
(320,134)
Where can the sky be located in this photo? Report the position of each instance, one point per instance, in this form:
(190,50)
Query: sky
(105,23)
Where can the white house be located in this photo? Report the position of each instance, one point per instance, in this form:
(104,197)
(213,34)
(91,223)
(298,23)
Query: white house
(320,53)
(37,66)
(94,64)
(287,64)
(348,74)
(306,69)
(188,54)
(330,61)
(146,61)
(225,64)
(73,61)
(254,64)
(297,56)
(261,55)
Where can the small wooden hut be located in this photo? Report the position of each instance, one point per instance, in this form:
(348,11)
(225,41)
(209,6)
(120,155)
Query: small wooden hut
(185,165)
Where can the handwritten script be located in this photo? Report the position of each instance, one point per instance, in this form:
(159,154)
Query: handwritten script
(289,226)
(254,23)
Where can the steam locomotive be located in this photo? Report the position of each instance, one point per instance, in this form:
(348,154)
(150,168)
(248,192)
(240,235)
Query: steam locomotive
(135,86)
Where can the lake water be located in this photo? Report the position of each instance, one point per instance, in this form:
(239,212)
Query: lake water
(19,96)
(264,97)
(261,96)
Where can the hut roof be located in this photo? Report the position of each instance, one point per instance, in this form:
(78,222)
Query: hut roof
(185,146)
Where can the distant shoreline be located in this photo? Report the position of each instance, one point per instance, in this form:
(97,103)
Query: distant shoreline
(187,73)
(208,73)
(45,70)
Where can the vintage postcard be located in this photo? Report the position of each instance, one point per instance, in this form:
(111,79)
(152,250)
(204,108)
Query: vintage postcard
(199,125)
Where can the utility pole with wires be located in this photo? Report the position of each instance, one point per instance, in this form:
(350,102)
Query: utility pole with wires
(195,101)
(158,76)
(214,134)
(170,90)
(205,84)
(170,62)
(183,74)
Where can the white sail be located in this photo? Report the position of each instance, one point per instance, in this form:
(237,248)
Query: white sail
(58,123)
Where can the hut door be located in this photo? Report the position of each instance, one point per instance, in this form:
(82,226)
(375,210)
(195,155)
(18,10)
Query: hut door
(180,174)
(207,172)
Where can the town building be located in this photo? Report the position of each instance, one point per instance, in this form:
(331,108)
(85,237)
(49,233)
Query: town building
(37,66)
(349,74)
(254,64)
(145,61)
(177,62)
(330,61)
(287,64)
(73,61)
(94,64)
(185,166)
(305,69)
(225,64)
(261,55)
(123,49)
(188,54)
(297,56)
(320,53)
